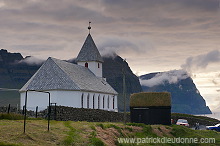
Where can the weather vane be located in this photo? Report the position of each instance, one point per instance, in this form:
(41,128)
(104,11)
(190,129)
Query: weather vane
(89,27)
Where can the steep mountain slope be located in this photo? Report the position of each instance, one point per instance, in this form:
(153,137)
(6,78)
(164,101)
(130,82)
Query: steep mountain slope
(185,96)
(112,71)
(13,75)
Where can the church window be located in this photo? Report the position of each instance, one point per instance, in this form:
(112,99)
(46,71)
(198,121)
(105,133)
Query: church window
(99,102)
(93,101)
(88,100)
(98,65)
(113,102)
(82,100)
(108,102)
(86,65)
(103,101)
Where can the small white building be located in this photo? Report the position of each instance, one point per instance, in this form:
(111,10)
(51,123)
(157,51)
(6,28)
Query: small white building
(79,86)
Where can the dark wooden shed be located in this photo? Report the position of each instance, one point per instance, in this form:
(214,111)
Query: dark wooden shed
(151,108)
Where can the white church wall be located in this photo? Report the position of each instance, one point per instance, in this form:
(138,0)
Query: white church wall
(70,99)
(35,99)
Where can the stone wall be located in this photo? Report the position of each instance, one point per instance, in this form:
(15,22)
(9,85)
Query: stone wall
(82,114)
(62,113)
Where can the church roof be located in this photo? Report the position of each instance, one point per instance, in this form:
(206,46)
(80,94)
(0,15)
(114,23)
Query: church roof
(89,51)
(56,74)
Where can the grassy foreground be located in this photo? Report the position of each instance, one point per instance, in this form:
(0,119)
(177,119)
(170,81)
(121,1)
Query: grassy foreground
(90,133)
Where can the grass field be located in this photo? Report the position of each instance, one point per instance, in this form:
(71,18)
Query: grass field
(90,133)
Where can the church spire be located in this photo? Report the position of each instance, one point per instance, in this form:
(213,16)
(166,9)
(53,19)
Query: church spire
(89,51)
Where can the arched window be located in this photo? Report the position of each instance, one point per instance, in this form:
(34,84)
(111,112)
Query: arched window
(88,100)
(86,65)
(98,65)
(93,100)
(113,102)
(103,101)
(98,101)
(108,102)
(82,100)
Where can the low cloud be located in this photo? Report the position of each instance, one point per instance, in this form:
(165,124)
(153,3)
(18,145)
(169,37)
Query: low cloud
(30,60)
(117,45)
(201,61)
(170,77)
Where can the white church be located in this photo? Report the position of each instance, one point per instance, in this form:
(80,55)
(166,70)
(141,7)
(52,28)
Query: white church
(78,86)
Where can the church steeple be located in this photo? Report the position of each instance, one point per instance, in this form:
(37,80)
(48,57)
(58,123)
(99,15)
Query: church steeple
(89,56)
(89,51)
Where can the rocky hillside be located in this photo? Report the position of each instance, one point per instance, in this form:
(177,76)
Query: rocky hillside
(13,75)
(185,96)
(112,71)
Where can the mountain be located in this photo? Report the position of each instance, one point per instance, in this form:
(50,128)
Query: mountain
(15,71)
(13,75)
(185,96)
(112,71)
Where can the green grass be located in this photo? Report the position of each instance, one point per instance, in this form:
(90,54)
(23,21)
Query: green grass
(7,144)
(69,140)
(65,133)
(96,141)
(11,116)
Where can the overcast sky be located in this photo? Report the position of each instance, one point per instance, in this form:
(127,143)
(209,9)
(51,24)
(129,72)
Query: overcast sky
(153,35)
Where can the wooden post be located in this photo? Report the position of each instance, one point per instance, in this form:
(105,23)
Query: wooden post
(9,108)
(25,111)
(36,112)
(48,127)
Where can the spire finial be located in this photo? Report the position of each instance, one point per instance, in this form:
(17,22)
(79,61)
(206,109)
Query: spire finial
(89,27)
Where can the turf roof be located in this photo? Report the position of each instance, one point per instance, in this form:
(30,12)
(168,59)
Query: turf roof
(145,99)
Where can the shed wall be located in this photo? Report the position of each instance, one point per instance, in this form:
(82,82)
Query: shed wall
(151,115)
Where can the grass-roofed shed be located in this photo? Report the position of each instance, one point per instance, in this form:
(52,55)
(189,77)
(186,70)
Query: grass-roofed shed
(151,108)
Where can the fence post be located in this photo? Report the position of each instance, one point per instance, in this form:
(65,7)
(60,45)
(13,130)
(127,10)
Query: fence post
(55,110)
(36,111)
(9,108)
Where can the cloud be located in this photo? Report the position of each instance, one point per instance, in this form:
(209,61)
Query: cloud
(30,60)
(117,45)
(170,77)
(201,61)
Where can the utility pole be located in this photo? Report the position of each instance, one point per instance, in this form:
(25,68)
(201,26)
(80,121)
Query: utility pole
(124,92)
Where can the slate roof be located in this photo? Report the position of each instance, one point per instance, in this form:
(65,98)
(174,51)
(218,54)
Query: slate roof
(89,51)
(56,74)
